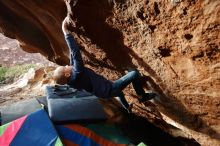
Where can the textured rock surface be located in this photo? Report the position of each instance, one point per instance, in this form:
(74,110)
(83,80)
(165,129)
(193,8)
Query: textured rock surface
(175,43)
(31,84)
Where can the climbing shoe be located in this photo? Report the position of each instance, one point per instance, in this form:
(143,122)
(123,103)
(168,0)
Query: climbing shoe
(129,108)
(147,96)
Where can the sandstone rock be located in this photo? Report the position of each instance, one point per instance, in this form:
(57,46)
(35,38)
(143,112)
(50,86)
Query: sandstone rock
(176,46)
(31,84)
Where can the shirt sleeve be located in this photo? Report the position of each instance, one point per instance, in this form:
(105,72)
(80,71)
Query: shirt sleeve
(75,55)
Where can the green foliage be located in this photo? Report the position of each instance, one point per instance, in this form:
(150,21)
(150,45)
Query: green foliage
(2,73)
(14,71)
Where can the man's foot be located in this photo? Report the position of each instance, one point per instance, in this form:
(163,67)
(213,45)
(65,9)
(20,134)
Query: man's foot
(147,96)
(129,108)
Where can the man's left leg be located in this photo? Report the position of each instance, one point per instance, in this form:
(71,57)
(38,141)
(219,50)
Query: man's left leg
(121,98)
(117,88)
(137,84)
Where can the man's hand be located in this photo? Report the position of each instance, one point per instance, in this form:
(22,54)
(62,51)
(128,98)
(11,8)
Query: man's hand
(66,26)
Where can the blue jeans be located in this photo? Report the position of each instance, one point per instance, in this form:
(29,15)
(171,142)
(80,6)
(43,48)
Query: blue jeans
(117,86)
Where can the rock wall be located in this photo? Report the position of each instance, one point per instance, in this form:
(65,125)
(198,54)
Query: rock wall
(36,25)
(174,43)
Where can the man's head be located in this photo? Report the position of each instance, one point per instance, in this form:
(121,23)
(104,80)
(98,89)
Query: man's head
(62,74)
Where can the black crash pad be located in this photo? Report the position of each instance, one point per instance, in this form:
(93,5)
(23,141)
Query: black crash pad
(71,105)
(19,109)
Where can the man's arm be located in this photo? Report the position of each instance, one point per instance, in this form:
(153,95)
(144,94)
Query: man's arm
(75,55)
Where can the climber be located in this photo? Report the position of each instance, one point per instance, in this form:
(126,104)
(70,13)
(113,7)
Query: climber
(80,77)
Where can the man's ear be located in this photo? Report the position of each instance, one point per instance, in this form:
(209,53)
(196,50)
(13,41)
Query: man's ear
(67,75)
